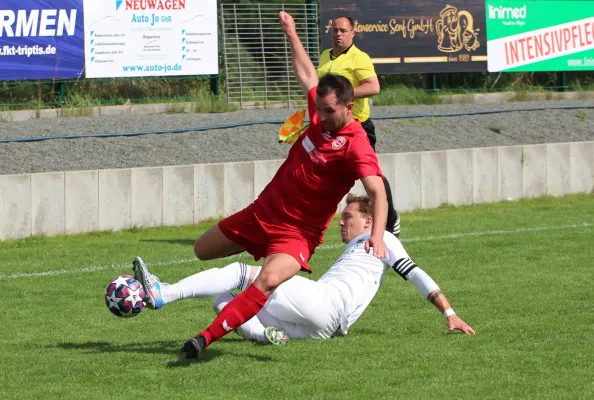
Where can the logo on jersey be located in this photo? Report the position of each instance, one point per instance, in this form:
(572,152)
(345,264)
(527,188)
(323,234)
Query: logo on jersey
(302,258)
(338,142)
(314,154)
(326,135)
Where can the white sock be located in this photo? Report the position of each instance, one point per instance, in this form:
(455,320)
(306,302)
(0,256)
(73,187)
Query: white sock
(251,330)
(208,283)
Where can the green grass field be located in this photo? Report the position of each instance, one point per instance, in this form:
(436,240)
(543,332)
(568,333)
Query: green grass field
(520,273)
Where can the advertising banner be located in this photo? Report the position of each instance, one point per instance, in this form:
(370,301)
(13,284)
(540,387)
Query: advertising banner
(41,39)
(403,36)
(126,38)
(540,35)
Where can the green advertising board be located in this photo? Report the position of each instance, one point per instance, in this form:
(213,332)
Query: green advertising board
(540,35)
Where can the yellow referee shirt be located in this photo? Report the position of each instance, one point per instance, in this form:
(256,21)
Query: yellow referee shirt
(355,65)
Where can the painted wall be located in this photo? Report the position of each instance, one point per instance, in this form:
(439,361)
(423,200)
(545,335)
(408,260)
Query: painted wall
(84,201)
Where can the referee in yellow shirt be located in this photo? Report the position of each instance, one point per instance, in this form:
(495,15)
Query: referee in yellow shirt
(345,59)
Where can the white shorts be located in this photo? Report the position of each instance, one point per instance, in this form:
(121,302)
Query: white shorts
(304,309)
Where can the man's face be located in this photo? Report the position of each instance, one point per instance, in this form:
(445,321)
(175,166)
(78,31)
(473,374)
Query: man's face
(353,223)
(333,116)
(342,34)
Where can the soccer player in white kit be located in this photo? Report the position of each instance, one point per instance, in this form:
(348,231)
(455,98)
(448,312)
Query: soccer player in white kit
(302,308)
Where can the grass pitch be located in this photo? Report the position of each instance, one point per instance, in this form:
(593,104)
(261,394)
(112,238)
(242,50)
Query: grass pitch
(520,273)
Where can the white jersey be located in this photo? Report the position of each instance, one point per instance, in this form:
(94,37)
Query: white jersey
(357,274)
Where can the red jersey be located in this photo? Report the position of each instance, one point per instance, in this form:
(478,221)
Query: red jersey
(319,171)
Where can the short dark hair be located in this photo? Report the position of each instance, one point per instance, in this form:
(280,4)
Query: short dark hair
(341,86)
(351,22)
(363,201)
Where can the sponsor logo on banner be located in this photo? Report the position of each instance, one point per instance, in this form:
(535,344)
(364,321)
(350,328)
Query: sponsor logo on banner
(144,5)
(134,38)
(414,37)
(540,35)
(455,31)
(24,23)
(510,15)
(41,39)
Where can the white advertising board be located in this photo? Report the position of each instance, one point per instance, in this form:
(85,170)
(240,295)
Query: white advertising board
(135,38)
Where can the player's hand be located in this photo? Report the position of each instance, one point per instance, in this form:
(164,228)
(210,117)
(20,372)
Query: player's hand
(379,247)
(287,22)
(455,323)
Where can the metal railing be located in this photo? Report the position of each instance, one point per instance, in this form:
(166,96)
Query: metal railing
(257,57)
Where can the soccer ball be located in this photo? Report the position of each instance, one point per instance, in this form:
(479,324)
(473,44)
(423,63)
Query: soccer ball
(123,296)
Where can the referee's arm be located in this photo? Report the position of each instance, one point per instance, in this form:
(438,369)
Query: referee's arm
(367,88)
(365,73)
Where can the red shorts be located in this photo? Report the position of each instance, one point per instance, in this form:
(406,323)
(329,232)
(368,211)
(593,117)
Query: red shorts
(262,235)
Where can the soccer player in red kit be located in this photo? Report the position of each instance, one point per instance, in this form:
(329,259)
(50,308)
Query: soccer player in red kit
(288,220)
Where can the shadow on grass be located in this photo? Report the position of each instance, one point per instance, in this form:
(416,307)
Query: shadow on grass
(181,242)
(211,354)
(157,347)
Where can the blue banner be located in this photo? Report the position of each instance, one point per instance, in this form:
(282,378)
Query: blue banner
(41,39)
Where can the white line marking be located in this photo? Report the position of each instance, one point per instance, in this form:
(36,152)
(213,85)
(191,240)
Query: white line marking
(501,232)
(97,268)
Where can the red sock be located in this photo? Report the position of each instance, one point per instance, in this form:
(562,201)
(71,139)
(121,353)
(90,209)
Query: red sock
(239,310)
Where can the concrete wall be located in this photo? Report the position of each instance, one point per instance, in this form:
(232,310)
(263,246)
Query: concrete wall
(84,201)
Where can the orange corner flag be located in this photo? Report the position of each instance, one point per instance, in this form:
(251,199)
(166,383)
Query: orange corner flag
(292,128)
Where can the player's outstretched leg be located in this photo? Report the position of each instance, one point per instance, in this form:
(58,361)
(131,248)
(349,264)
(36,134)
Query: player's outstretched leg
(150,283)
(276,336)
(278,268)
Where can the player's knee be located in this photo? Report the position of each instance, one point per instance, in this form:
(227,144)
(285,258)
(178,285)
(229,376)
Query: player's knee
(200,251)
(267,283)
